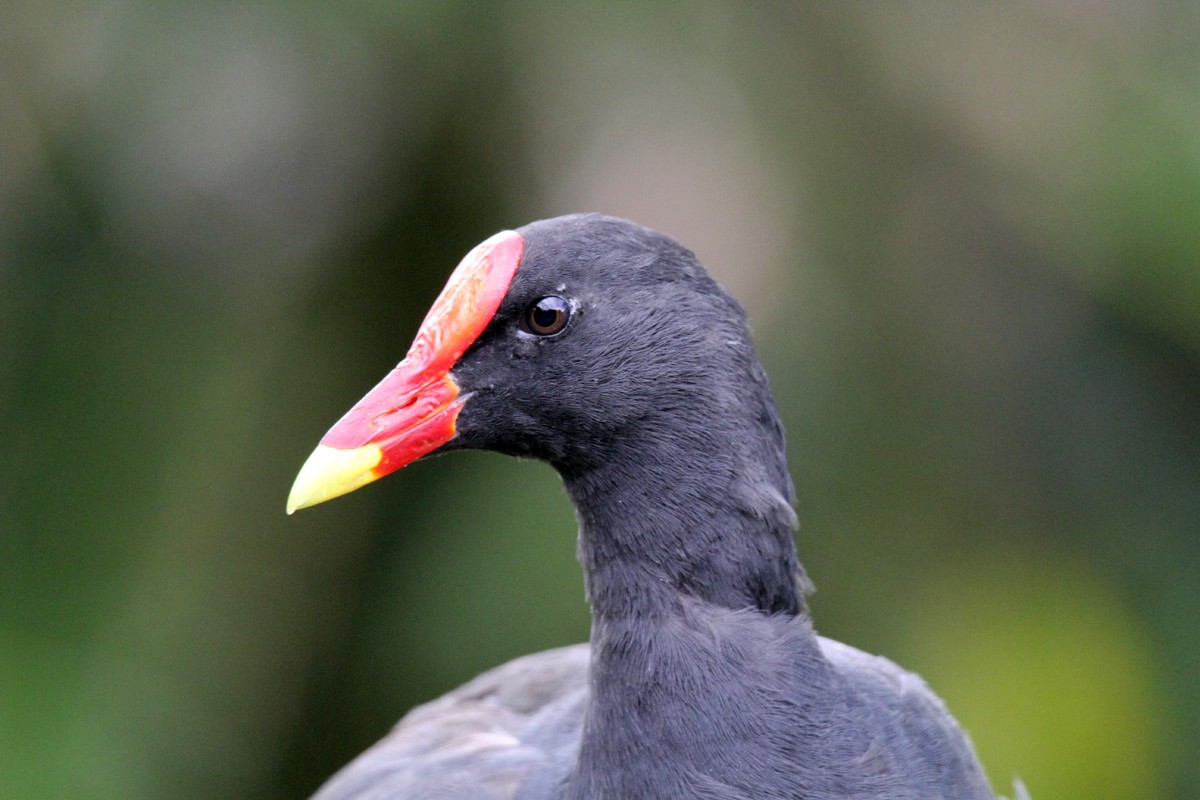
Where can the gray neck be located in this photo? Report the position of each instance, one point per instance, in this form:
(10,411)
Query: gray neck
(679,516)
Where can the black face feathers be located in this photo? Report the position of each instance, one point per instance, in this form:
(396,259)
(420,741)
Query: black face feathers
(652,346)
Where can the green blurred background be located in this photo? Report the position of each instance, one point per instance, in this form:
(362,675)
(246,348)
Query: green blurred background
(968,235)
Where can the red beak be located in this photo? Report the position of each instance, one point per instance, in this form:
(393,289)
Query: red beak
(413,409)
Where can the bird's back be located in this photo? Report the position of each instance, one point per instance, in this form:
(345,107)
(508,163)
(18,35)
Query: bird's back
(480,741)
(514,732)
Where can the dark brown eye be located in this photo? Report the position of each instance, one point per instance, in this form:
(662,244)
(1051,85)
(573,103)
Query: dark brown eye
(547,316)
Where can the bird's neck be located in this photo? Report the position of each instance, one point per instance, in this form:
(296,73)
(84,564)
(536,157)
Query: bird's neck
(688,516)
(691,570)
(692,577)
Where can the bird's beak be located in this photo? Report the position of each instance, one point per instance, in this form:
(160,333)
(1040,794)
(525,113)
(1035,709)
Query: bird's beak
(413,409)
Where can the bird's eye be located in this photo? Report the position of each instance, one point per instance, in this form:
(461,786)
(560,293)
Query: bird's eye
(547,316)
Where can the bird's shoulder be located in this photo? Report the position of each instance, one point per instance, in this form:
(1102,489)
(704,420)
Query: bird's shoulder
(480,741)
(913,730)
(883,678)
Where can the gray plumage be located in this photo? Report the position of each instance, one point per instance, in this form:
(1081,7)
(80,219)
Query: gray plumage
(704,677)
(519,725)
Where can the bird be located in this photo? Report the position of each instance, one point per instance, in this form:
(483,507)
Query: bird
(605,349)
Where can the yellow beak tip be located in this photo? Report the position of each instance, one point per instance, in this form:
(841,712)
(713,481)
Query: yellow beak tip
(330,472)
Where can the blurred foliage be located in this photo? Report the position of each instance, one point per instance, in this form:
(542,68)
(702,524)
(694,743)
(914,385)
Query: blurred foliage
(968,236)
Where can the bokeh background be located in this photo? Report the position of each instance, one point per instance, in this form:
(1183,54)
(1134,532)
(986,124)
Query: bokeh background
(968,235)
